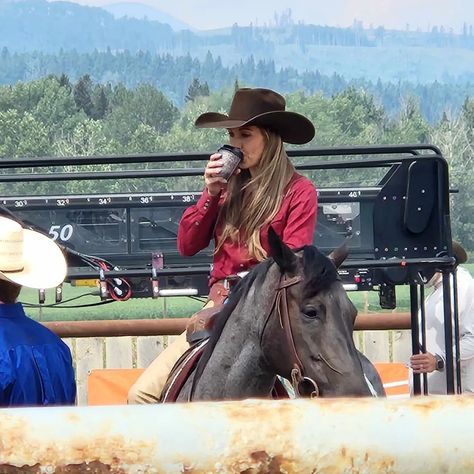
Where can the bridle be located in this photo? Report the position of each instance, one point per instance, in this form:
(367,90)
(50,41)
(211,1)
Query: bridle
(302,385)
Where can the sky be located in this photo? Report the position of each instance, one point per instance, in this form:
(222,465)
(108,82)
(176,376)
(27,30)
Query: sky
(208,14)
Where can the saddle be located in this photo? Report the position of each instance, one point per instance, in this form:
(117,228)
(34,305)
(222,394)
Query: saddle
(202,322)
(179,374)
(198,331)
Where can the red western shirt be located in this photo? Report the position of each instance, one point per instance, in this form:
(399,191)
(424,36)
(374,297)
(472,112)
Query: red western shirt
(294,223)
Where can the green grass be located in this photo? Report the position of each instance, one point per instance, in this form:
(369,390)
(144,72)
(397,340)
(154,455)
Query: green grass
(163,307)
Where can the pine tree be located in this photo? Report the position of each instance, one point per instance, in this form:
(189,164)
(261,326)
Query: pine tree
(101,103)
(64,81)
(197,89)
(83,95)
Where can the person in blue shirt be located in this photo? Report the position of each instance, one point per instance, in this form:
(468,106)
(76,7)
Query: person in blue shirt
(35,364)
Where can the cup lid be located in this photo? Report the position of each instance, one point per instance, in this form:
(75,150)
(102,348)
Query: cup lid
(233,149)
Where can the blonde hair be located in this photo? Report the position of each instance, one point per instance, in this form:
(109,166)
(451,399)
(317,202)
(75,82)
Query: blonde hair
(253,202)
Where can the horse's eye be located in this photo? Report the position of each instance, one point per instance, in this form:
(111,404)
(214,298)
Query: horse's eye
(311,312)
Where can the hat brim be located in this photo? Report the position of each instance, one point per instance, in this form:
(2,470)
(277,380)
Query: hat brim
(291,126)
(459,253)
(44,263)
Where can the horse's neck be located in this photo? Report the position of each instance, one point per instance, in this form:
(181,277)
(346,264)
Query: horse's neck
(237,368)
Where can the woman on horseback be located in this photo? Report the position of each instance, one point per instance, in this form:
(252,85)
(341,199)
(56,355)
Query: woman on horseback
(264,191)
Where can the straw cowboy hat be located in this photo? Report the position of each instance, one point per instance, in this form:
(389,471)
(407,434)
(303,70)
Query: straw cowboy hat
(459,253)
(29,258)
(265,108)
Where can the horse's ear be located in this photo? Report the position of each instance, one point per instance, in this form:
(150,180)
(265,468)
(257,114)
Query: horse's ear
(337,256)
(284,257)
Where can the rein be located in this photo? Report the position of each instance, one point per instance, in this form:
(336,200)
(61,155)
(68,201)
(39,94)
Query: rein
(302,385)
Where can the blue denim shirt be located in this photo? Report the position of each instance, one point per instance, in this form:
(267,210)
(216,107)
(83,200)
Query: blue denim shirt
(35,364)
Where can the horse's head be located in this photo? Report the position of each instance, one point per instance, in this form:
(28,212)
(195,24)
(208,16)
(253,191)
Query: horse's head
(307,335)
(289,316)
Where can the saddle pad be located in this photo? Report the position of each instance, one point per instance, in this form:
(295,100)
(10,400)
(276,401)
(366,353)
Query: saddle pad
(181,371)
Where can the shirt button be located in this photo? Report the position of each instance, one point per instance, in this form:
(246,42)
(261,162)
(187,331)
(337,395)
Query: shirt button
(241,265)
(196,223)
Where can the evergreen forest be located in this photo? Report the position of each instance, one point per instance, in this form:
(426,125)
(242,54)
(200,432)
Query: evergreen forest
(173,74)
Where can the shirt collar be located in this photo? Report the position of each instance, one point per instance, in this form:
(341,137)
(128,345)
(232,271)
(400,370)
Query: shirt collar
(9,311)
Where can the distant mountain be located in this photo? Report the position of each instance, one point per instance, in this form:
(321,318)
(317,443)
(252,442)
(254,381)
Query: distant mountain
(142,12)
(29,25)
(353,53)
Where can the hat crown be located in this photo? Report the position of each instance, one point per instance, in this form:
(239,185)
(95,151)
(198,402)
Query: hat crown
(11,245)
(248,103)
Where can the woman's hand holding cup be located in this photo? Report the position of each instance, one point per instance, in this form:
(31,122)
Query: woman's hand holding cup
(214,183)
(220,167)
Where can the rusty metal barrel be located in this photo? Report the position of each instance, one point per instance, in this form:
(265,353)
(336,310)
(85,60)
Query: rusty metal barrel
(296,436)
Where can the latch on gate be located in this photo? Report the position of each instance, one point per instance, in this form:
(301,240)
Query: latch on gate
(59,293)
(104,292)
(41,295)
(157,263)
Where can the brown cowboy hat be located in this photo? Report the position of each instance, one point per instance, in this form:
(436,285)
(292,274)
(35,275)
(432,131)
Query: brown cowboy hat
(459,253)
(265,108)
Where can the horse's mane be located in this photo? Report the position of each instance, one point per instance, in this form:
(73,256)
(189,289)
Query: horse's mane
(237,293)
(320,273)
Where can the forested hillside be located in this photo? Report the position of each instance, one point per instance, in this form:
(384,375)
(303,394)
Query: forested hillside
(173,75)
(58,117)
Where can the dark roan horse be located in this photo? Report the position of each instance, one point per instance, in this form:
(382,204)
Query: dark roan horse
(290,316)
